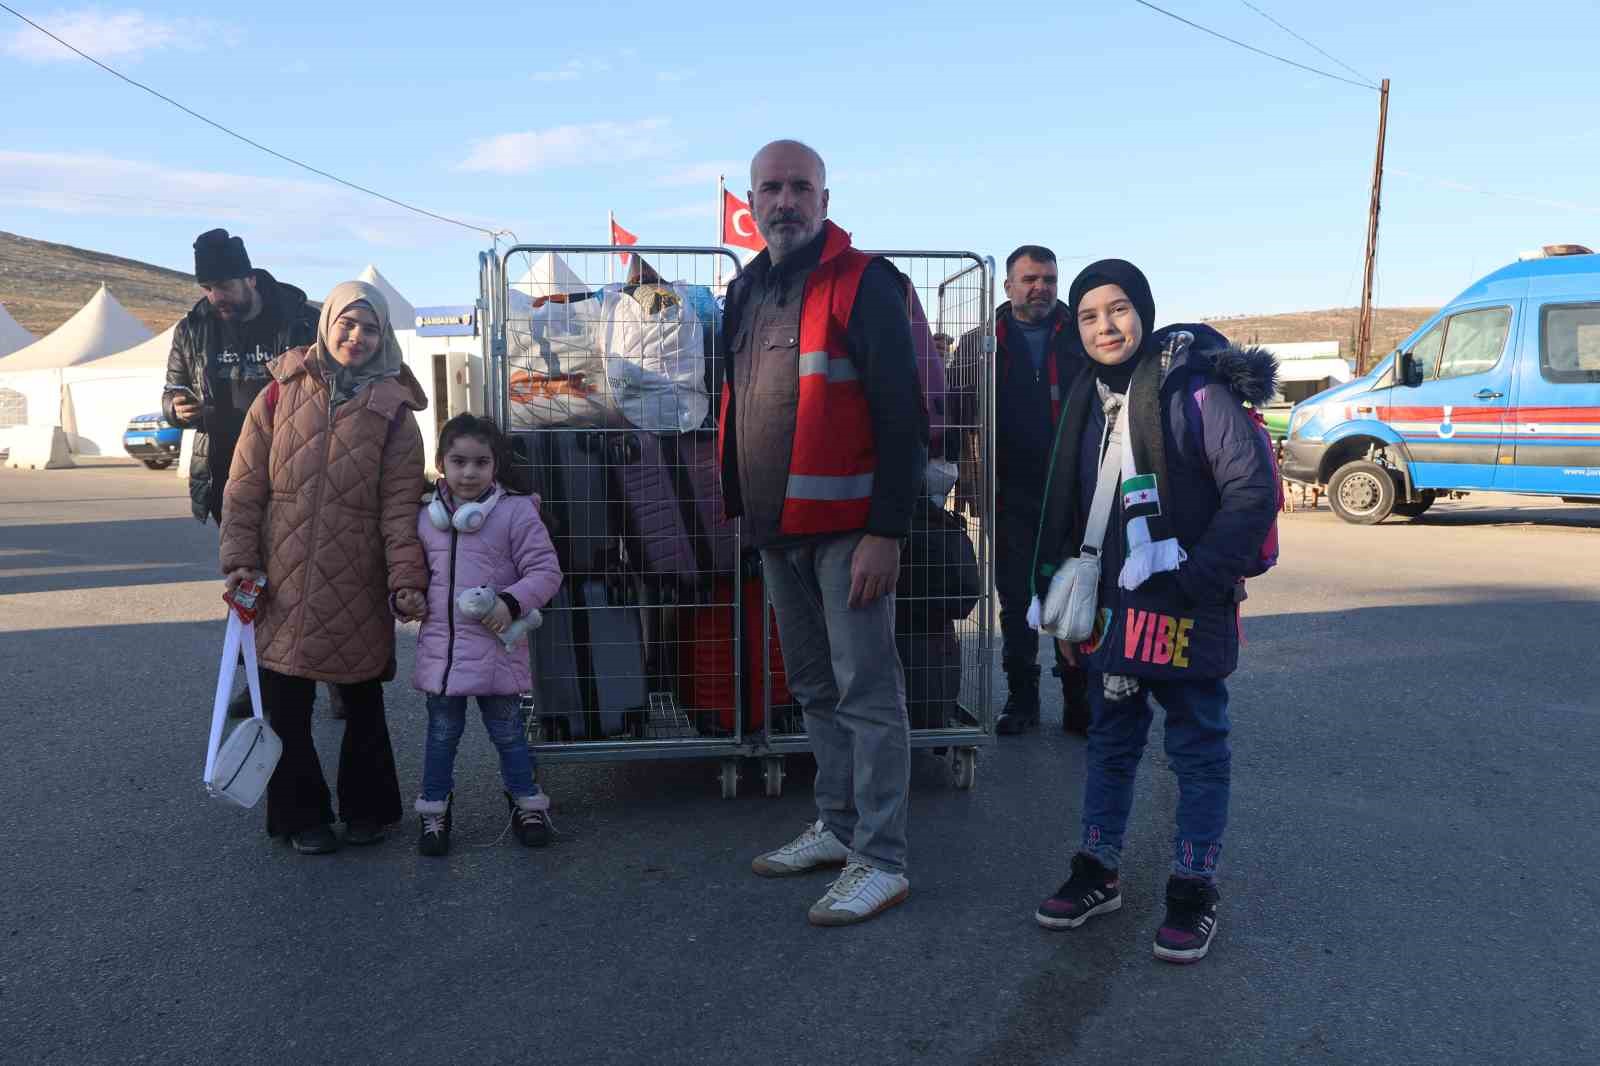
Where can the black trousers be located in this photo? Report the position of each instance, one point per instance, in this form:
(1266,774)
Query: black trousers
(297,795)
(1016,531)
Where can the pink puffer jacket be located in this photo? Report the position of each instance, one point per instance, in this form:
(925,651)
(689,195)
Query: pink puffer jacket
(457,655)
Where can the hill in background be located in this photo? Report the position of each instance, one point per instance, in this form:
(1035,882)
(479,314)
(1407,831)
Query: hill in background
(1390,326)
(44,284)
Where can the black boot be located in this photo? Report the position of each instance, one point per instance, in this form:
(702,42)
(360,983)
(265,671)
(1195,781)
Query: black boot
(1021,712)
(434,840)
(1074,700)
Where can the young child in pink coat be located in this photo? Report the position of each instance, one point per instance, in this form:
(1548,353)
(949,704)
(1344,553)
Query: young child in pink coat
(475,533)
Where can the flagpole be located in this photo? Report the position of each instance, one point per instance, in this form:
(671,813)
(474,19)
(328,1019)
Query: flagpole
(721,221)
(611,238)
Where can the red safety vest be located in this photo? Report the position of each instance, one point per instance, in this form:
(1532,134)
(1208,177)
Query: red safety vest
(833,458)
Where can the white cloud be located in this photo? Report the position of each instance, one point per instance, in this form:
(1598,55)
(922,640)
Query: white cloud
(576,145)
(278,208)
(109,35)
(706,173)
(572,70)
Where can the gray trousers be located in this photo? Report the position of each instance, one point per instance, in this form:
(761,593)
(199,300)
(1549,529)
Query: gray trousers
(843,669)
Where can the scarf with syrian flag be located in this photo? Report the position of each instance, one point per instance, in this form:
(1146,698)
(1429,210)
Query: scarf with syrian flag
(1146,524)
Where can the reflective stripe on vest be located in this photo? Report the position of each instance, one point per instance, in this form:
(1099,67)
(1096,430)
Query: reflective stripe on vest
(833,458)
(838,368)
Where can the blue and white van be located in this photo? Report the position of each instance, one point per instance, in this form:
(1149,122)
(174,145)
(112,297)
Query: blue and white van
(1500,390)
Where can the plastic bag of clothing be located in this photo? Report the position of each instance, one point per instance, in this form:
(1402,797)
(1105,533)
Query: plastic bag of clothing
(654,345)
(557,363)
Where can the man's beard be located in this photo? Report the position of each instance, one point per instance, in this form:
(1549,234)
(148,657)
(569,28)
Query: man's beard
(784,240)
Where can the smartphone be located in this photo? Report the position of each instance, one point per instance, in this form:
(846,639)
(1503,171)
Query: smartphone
(184,390)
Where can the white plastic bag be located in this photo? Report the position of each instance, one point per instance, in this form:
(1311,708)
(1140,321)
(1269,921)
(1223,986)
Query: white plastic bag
(557,372)
(654,346)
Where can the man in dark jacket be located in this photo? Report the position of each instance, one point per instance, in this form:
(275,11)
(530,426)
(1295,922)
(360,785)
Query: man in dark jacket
(1037,358)
(824,446)
(218,365)
(220,353)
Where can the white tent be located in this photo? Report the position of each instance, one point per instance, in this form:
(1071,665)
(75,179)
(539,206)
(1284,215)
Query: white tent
(550,275)
(13,337)
(100,327)
(142,356)
(401,314)
(102,396)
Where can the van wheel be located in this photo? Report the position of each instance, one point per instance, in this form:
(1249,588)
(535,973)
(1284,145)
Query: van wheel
(157,464)
(1412,510)
(1362,492)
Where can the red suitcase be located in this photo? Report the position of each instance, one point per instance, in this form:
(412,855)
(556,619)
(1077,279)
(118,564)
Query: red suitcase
(705,659)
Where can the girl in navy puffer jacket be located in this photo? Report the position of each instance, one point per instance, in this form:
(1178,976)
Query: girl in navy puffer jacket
(477,535)
(1192,504)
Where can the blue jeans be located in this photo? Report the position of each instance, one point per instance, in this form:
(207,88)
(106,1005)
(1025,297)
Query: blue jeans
(842,666)
(502,717)
(1197,752)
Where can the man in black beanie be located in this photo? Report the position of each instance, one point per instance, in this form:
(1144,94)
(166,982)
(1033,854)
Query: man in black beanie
(220,353)
(218,363)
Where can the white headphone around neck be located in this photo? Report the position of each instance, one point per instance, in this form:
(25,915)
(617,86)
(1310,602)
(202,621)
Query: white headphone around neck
(468,517)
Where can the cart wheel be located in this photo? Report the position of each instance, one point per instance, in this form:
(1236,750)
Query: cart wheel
(964,764)
(772,774)
(730,778)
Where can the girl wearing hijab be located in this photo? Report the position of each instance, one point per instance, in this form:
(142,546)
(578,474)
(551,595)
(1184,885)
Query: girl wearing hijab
(1192,505)
(322,498)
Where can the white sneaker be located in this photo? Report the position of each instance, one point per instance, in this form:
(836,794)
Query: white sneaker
(815,848)
(861,892)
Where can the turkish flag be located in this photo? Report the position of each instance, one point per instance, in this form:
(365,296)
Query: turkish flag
(738,225)
(622,236)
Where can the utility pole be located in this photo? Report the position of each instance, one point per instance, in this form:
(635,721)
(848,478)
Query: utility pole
(1364,329)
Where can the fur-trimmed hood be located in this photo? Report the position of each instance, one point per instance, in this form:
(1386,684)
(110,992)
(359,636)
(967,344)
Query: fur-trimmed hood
(1249,372)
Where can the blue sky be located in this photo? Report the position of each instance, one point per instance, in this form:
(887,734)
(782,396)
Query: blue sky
(1238,184)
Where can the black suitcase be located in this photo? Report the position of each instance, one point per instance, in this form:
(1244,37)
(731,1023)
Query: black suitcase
(576,488)
(611,655)
(932,664)
(558,698)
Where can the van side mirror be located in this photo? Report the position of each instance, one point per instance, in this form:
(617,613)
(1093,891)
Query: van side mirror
(1410,374)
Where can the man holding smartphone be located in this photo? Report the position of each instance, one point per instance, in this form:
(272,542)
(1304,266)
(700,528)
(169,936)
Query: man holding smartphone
(220,353)
(218,365)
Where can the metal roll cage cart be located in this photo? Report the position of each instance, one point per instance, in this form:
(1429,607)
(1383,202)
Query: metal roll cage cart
(948,686)
(641,657)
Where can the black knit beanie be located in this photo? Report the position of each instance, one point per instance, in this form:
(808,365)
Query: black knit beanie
(1131,280)
(219,257)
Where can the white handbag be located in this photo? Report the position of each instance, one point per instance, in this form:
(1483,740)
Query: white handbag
(238,771)
(1069,605)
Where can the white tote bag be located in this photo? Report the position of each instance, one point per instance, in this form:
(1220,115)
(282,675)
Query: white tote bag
(238,771)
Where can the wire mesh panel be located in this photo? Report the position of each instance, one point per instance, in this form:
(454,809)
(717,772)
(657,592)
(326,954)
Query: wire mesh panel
(605,373)
(943,603)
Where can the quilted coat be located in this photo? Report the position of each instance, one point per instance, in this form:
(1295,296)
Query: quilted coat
(512,553)
(325,501)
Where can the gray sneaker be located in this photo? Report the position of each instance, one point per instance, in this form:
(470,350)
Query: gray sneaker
(861,892)
(813,849)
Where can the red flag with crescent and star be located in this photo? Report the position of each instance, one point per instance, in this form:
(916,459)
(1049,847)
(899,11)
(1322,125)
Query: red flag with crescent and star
(738,225)
(622,236)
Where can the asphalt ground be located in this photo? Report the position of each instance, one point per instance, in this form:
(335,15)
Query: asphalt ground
(1410,875)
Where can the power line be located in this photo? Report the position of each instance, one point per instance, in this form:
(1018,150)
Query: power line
(491,234)
(1253,48)
(1461,186)
(1302,40)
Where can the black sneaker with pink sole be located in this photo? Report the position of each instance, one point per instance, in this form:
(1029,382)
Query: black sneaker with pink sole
(1092,889)
(1191,921)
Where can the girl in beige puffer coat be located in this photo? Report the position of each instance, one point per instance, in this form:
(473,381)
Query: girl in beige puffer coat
(322,497)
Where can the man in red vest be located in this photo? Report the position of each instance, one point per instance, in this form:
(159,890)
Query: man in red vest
(824,448)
